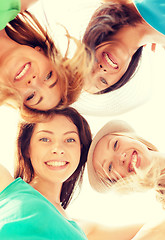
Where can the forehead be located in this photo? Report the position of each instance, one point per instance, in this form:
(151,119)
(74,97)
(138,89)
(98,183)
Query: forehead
(58,123)
(101,148)
(108,137)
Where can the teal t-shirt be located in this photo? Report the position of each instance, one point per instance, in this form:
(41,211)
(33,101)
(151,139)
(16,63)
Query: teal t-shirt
(26,214)
(153,12)
(8,11)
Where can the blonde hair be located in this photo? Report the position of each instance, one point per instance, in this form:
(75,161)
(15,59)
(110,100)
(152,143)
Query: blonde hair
(26,30)
(153,179)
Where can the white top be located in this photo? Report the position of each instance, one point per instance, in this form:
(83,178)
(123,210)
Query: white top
(133,94)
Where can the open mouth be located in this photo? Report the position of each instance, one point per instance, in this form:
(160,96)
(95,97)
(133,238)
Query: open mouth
(134,163)
(56,164)
(110,61)
(22,72)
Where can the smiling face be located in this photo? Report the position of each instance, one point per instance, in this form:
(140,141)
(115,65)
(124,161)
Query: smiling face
(118,157)
(112,59)
(55,149)
(32,74)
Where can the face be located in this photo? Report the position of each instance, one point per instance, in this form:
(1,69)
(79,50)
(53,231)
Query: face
(32,74)
(112,59)
(55,149)
(120,156)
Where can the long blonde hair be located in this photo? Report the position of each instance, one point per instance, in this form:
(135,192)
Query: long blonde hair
(153,179)
(26,30)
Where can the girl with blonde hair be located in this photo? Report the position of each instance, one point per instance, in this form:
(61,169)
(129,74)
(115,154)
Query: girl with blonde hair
(119,159)
(51,157)
(35,77)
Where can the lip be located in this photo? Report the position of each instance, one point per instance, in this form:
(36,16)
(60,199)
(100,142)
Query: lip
(57,164)
(22,72)
(110,61)
(138,161)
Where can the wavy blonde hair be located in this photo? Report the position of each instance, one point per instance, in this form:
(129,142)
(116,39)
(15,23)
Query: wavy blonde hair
(26,30)
(153,179)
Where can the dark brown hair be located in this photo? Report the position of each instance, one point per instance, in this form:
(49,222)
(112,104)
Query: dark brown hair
(105,22)
(23,166)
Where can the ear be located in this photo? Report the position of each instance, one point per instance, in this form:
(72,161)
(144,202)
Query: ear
(39,49)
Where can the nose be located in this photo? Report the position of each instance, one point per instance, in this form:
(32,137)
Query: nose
(57,149)
(31,81)
(122,158)
(102,68)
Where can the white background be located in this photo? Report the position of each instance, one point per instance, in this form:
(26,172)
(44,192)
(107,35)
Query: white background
(148,120)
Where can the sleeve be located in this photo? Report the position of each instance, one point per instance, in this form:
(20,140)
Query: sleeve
(153,12)
(8,11)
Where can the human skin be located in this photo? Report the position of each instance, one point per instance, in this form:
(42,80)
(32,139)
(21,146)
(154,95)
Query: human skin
(120,156)
(25,4)
(55,154)
(113,56)
(30,72)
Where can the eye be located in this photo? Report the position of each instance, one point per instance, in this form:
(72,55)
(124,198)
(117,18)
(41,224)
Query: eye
(44,139)
(70,140)
(103,81)
(49,75)
(115,145)
(30,97)
(112,181)
(110,167)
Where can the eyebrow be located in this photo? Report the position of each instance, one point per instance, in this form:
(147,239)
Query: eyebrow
(108,143)
(53,84)
(71,132)
(50,132)
(41,98)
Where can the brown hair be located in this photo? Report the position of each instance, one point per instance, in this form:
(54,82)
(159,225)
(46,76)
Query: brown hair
(26,30)
(105,22)
(23,167)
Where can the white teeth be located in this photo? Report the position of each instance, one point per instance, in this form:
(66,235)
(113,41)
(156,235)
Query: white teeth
(134,161)
(56,163)
(24,70)
(114,65)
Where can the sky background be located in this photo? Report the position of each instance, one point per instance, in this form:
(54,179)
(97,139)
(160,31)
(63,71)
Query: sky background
(147,119)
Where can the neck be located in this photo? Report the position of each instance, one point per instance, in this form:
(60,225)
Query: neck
(133,37)
(3,33)
(49,190)
(6,43)
(152,35)
(159,159)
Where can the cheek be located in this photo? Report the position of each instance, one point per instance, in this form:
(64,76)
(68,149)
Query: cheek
(35,152)
(98,154)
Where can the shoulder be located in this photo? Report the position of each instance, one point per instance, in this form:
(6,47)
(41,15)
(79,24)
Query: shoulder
(9,10)
(5,178)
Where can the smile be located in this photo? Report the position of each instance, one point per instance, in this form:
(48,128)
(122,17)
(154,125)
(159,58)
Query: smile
(134,163)
(110,61)
(56,163)
(22,72)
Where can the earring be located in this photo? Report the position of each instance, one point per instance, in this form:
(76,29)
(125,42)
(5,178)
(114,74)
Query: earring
(38,48)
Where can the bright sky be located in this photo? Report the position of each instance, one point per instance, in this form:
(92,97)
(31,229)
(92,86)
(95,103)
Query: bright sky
(147,119)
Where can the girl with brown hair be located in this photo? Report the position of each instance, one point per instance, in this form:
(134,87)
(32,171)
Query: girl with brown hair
(116,35)
(50,163)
